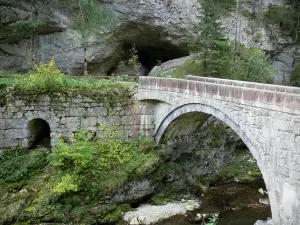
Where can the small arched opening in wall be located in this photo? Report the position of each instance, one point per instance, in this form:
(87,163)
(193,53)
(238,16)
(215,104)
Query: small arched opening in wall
(214,151)
(39,134)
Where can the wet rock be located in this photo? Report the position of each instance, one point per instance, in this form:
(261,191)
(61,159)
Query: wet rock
(170,66)
(260,222)
(133,191)
(284,65)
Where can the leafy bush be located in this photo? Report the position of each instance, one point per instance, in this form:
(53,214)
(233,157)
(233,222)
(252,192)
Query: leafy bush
(99,167)
(47,76)
(17,165)
(253,65)
(67,183)
(4,84)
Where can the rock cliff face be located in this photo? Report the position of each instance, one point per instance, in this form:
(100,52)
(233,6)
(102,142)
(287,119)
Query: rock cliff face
(158,29)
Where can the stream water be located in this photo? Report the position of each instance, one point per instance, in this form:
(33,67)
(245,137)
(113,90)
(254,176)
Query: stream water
(237,204)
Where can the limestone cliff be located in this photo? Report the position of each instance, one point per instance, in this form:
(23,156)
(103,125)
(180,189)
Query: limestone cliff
(159,29)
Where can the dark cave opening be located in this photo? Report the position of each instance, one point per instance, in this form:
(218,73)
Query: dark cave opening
(39,134)
(152,55)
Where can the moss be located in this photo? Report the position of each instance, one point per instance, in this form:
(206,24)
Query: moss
(159,199)
(245,170)
(217,132)
(114,215)
(191,66)
(257,37)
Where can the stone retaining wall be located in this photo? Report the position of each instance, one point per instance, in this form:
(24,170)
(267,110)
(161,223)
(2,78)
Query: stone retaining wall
(66,116)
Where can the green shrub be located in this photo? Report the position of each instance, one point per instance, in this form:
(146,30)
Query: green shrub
(17,165)
(246,169)
(253,65)
(295,79)
(99,167)
(47,76)
(4,84)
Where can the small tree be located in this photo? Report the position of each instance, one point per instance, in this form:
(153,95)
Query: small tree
(134,61)
(254,66)
(211,45)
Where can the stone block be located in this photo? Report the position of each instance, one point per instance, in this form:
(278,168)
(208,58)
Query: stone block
(95,111)
(113,120)
(294,175)
(2,124)
(76,111)
(19,103)
(29,115)
(78,99)
(16,123)
(16,133)
(24,143)
(8,115)
(89,122)
(72,123)
(9,143)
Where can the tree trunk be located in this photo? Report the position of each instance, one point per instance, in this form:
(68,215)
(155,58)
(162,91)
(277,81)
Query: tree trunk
(236,34)
(85,68)
(205,63)
(34,15)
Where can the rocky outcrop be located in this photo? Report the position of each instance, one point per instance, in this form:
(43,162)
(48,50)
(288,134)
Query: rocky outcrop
(284,63)
(158,29)
(169,66)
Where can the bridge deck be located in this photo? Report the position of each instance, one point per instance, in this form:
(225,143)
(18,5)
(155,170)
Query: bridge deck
(229,90)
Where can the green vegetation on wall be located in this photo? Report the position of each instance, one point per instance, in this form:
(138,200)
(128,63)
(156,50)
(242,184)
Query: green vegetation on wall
(47,79)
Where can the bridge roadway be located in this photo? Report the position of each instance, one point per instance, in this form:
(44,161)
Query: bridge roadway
(266,117)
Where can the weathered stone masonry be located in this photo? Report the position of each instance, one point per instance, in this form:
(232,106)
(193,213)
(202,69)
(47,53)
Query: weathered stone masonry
(65,117)
(266,117)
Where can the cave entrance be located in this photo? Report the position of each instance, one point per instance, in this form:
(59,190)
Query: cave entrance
(149,55)
(39,134)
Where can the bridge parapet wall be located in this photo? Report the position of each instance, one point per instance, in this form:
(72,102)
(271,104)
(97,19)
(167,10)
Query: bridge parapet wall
(275,100)
(239,83)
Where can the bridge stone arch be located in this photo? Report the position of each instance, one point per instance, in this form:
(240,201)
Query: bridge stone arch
(191,108)
(266,117)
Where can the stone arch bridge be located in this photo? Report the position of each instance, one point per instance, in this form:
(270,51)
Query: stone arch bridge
(266,117)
